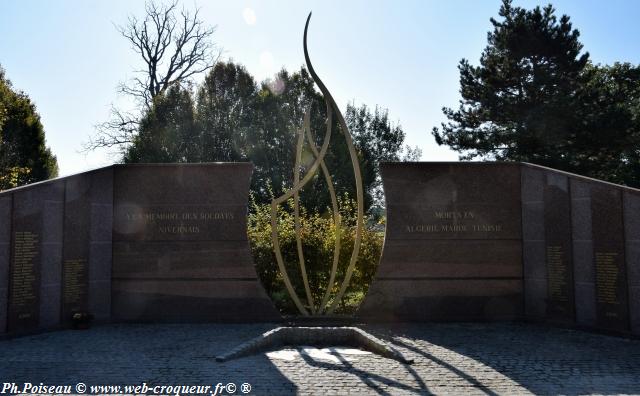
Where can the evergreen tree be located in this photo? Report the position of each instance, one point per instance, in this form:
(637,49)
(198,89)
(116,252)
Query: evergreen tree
(606,142)
(536,98)
(24,156)
(519,104)
(168,132)
(225,112)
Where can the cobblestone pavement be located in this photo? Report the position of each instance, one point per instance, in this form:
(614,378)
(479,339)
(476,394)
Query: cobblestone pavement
(484,359)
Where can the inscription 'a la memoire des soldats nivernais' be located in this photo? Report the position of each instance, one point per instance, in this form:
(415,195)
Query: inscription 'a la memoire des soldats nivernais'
(460,221)
(182,222)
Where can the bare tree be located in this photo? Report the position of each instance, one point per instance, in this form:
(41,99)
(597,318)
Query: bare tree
(175,45)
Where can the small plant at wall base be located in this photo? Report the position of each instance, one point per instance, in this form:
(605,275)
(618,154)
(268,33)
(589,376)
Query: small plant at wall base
(319,237)
(81,320)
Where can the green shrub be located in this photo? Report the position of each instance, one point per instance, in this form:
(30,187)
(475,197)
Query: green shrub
(318,234)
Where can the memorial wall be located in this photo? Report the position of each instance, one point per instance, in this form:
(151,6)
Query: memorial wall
(464,242)
(129,242)
(55,252)
(453,246)
(487,241)
(581,240)
(180,245)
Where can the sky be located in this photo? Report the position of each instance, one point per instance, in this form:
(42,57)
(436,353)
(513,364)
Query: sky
(401,55)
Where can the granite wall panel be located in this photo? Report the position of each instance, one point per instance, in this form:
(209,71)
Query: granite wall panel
(180,249)
(533,183)
(587,250)
(398,300)
(100,249)
(558,249)
(24,276)
(36,242)
(612,301)
(631,208)
(584,270)
(535,279)
(49,249)
(453,247)
(77,227)
(5,257)
(51,259)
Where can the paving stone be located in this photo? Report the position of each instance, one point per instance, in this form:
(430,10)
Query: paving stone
(450,359)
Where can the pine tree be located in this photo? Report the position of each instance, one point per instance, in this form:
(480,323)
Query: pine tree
(520,103)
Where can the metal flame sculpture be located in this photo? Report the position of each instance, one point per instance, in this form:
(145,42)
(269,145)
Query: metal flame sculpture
(298,184)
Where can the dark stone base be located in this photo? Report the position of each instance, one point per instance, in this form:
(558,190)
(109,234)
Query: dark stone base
(161,308)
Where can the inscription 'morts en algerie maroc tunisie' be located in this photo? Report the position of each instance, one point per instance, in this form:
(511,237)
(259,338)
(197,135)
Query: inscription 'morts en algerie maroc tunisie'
(454,221)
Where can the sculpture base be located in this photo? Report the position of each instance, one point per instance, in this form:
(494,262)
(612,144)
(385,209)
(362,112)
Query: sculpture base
(314,336)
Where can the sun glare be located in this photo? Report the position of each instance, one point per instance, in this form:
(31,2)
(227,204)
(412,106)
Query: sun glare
(249,16)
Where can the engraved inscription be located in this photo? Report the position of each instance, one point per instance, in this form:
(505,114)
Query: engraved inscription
(23,279)
(177,222)
(155,216)
(557,274)
(453,215)
(74,281)
(607,276)
(455,226)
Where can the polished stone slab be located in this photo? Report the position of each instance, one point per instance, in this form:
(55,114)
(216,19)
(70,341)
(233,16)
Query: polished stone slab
(77,234)
(453,248)
(423,300)
(6,203)
(180,247)
(612,293)
(631,212)
(35,239)
(100,248)
(558,249)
